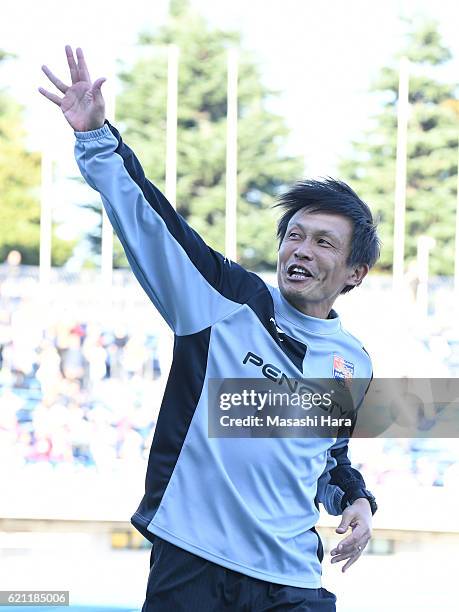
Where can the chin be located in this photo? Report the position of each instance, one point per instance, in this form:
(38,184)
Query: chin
(291,294)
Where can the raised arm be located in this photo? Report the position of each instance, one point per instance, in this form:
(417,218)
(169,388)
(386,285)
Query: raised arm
(192,285)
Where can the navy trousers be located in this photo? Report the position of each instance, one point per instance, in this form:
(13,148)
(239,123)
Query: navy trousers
(182,582)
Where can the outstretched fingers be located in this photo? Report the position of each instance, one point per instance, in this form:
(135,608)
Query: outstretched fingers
(62,87)
(351,561)
(83,69)
(74,72)
(50,96)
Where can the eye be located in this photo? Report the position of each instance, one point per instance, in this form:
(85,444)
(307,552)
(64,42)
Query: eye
(293,235)
(324,242)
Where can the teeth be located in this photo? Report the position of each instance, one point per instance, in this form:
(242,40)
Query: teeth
(298,270)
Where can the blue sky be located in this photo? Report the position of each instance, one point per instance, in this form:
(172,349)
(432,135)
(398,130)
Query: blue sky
(322,56)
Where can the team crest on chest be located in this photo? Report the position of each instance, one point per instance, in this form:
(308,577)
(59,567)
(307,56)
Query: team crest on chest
(342,369)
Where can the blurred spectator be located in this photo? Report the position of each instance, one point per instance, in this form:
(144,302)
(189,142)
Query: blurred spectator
(63,398)
(83,394)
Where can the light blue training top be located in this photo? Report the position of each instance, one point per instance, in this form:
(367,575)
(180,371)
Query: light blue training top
(249,504)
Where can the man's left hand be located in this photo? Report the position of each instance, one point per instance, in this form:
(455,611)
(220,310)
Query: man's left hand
(358,517)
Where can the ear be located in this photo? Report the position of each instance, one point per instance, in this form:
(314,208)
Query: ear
(357,275)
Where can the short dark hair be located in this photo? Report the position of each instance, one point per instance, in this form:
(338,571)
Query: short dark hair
(331,196)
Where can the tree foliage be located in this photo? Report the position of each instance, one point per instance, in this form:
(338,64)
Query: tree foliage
(432,151)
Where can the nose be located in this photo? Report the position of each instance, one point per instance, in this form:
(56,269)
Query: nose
(304,251)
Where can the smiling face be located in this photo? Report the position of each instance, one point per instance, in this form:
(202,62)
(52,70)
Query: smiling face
(312,267)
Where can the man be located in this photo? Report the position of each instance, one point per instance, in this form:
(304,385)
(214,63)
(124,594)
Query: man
(232,519)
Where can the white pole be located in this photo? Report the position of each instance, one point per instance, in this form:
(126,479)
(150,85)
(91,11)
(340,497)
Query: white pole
(171,126)
(46,198)
(107,230)
(107,252)
(456,254)
(400,176)
(231,157)
(425,244)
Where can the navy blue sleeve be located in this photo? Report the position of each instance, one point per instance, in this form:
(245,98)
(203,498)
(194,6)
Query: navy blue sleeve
(340,482)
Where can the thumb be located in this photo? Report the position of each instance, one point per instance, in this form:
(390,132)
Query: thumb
(344,525)
(96,86)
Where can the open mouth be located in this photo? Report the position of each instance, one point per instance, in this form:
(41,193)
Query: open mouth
(296,272)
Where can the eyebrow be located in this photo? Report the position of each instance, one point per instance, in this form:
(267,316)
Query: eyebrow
(322,232)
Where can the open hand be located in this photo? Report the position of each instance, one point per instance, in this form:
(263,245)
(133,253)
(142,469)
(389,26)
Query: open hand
(358,517)
(83,104)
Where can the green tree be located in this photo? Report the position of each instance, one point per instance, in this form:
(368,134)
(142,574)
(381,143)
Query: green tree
(432,151)
(263,165)
(20,181)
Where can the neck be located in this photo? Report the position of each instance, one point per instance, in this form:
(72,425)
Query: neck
(320,310)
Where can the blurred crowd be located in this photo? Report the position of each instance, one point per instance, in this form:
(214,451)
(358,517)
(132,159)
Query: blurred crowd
(83,391)
(407,462)
(75,392)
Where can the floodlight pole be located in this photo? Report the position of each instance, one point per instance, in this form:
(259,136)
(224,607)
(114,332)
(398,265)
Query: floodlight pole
(400,176)
(107,229)
(425,244)
(46,207)
(231,156)
(171,124)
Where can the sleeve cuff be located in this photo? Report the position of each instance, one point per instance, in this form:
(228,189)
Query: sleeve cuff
(94,134)
(350,497)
